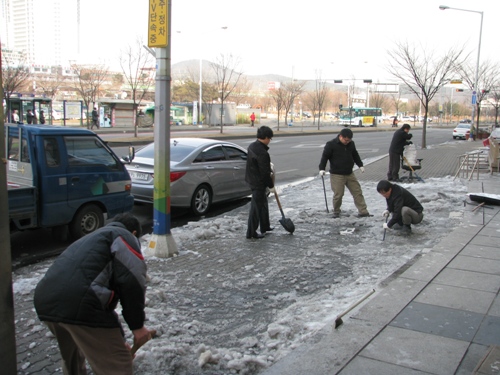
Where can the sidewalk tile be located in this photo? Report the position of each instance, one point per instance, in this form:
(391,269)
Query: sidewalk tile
(416,350)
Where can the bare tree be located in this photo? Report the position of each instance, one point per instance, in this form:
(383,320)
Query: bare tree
(396,101)
(278,95)
(241,91)
(137,63)
(320,94)
(292,91)
(488,75)
(15,75)
(378,100)
(226,80)
(495,100)
(423,73)
(88,80)
(50,86)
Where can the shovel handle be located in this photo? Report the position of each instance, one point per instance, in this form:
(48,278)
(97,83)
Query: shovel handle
(279,203)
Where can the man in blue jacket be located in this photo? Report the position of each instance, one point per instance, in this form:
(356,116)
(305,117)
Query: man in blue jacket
(78,295)
(342,154)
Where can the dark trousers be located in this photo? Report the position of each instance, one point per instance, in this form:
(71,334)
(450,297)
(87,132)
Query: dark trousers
(394,165)
(259,213)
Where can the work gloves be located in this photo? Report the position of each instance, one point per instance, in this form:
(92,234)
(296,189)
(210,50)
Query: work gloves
(362,169)
(272,190)
(386,213)
(385,226)
(321,173)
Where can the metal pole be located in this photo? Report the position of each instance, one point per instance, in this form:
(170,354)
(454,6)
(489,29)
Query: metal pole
(162,243)
(8,357)
(200,117)
(477,74)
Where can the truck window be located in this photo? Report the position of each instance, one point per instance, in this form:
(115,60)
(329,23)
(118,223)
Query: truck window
(89,151)
(52,156)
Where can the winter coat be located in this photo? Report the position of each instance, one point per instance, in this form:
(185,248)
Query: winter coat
(258,170)
(399,198)
(399,140)
(341,157)
(85,283)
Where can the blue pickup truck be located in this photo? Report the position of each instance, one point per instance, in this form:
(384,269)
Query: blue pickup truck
(60,177)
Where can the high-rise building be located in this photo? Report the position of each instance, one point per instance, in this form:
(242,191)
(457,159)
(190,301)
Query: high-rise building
(46,31)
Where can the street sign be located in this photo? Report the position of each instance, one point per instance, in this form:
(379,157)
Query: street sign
(456,81)
(158,24)
(474,98)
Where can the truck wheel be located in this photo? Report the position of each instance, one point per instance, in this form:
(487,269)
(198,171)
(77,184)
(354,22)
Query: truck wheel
(88,219)
(202,200)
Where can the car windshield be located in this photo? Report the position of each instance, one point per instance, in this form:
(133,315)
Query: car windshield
(463,126)
(177,152)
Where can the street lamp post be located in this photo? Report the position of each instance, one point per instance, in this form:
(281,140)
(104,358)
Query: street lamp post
(474,93)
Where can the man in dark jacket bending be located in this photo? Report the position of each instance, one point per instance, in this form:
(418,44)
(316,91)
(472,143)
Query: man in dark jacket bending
(400,139)
(258,177)
(342,154)
(405,208)
(77,298)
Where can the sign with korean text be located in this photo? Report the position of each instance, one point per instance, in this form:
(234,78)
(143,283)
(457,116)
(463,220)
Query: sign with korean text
(158,23)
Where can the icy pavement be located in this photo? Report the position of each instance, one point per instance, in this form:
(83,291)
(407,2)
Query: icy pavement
(231,305)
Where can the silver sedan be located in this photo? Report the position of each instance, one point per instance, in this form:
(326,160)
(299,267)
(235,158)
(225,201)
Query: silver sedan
(202,172)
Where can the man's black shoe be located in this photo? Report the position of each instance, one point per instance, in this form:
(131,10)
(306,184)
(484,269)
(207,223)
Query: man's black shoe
(257,236)
(406,229)
(336,215)
(270,229)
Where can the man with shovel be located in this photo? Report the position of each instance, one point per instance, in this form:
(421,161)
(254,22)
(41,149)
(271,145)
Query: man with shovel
(405,208)
(342,154)
(78,295)
(258,177)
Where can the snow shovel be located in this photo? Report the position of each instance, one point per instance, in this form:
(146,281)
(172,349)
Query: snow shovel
(286,223)
(338,321)
(324,190)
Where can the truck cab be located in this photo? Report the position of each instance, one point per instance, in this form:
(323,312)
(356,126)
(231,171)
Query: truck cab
(60,176)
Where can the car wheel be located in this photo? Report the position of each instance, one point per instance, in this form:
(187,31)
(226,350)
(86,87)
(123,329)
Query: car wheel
(454,137)
(202,200)
(88,219)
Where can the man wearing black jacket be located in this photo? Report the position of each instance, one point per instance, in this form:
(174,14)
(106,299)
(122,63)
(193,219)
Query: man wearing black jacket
(405,208)
(342,154)
(258,177)
(78,295)
(400,139)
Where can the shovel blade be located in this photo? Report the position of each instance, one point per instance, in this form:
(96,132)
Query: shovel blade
(287,224)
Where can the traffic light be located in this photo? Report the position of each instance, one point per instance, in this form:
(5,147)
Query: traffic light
(459,90)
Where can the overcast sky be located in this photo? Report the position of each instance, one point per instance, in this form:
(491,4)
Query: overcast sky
(341,39)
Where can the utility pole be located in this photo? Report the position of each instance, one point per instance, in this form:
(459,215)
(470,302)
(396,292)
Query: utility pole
(162,242)
(8,358)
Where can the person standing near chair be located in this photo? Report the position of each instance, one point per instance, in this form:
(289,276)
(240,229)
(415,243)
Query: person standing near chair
(342,154)
(258,177)
(403,206)
(400,139)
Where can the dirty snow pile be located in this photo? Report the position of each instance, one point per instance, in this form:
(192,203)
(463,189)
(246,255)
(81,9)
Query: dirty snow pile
(228,305)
